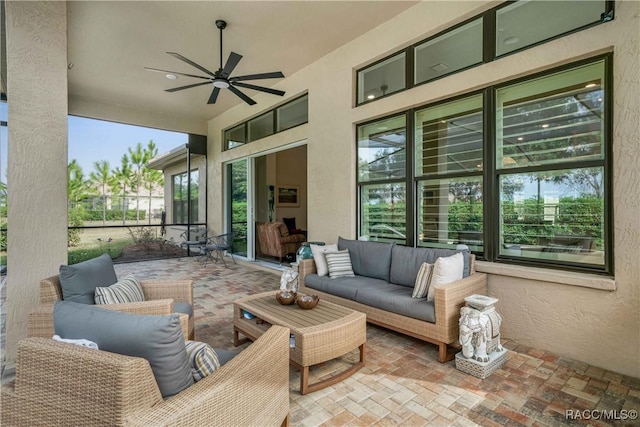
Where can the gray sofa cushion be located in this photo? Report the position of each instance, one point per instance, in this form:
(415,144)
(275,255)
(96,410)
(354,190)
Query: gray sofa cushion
(344,287)
(183,307)
(158,339)
(405,262)
(371,259)
(79,281)
(397,299)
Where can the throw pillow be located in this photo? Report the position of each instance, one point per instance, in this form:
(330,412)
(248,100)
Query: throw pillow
(202,359)
(445,270)
(158,339)
(79,281)
(423,280)
(339,263)
(125,290)
(319,258)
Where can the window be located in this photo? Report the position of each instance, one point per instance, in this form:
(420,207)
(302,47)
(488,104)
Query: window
(292,114)
(514,29)
(382,157)
(235,137)
(453,51)
(518,172)
(507,28)
(180,197)
(550,140)
(449,149)
(382,78)
(286,116)
(261,126)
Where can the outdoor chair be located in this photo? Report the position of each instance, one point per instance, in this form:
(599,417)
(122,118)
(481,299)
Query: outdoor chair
(195,239)
(218,245)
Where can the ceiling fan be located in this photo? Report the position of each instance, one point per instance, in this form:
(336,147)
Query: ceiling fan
(221,78)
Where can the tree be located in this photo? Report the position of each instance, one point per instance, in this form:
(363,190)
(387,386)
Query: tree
(152,179)
(120,182)
(78,188)
(138,161)
(101,177)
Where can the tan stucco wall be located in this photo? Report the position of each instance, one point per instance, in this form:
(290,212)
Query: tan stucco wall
(595,326)
(37,155)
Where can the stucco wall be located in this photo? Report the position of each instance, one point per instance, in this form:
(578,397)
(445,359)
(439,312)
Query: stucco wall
(595,326)
(37,155)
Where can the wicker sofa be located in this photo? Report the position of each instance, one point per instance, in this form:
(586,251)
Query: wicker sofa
(382,288)
(160,299)
(58,383)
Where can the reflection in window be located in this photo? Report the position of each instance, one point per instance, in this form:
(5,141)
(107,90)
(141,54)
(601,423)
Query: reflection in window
(384,212)
(449,137)
(450,213)
(553,215)
(261,126)
(382,78)
(181,199)
(382,149)
(292,114)
(457,49)
(524,23)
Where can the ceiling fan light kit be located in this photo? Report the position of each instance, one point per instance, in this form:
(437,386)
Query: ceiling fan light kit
(221,79)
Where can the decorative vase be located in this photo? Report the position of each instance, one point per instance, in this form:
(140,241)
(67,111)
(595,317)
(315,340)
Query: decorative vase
(303,252)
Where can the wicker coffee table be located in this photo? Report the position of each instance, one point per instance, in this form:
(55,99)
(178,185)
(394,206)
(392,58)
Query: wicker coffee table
(324,333)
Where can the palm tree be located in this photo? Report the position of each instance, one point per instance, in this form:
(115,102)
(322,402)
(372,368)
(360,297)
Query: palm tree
(120,182)
(101,177)
(138,160)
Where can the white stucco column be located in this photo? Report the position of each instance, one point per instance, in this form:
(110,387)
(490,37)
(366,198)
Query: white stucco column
(37,155)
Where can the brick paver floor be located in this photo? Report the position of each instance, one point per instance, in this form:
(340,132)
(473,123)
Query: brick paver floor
(402,382)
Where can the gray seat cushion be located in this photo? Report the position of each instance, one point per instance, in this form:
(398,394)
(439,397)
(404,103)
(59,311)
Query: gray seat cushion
(158,339)
(344,287)
(370,259)
(79,281)
(405,262)
(225,355)
(397,299)
(183,307)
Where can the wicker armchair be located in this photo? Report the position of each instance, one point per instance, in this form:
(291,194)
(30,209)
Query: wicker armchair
(159,299)
(63,383)
(274,239)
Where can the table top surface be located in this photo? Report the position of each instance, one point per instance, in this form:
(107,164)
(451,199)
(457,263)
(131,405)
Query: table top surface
(266,307)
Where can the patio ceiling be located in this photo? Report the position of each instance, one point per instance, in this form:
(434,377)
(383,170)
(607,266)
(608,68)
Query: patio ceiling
(110,43)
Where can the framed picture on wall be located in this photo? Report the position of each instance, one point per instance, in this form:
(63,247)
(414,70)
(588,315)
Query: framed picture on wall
(287,195)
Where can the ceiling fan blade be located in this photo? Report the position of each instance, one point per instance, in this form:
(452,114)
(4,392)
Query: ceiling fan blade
(177,73)
(244,97)
(190,62)
(233,60)
(274,75)
(175,89)
(214,95)
(260,88)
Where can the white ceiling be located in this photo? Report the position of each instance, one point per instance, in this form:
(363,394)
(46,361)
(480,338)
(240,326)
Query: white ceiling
(110,43)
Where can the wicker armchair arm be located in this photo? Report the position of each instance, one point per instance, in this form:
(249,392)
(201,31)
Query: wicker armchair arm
(178,290)
(243,392)
(450,298)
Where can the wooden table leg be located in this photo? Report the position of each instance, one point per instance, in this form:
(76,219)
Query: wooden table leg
(305,387)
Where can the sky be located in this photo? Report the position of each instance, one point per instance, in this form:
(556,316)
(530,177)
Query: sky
(91,140)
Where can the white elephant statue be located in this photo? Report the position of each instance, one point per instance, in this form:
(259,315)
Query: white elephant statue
(475,334)
(289,280)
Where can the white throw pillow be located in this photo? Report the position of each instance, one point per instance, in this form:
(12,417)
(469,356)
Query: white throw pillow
(445,270)
(319,258)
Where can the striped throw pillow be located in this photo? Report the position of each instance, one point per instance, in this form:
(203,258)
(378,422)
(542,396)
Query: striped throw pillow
(202,358)
(339,263)
(423,280)
(125,290)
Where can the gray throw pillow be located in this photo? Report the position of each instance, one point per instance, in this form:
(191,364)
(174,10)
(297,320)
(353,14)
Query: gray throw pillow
(79,281)
(157,339)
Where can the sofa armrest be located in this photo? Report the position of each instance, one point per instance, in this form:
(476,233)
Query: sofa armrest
(178,290)
(251,389)
(306,267)
(292,238)
(450,298)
